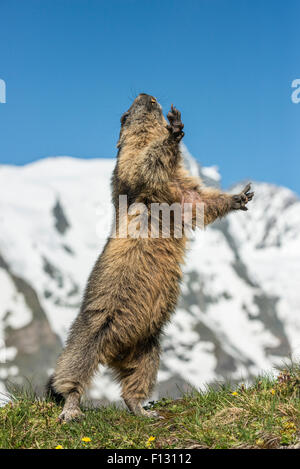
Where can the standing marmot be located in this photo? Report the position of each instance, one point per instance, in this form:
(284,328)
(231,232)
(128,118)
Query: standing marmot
(134,286)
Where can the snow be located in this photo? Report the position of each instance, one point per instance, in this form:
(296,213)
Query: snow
(212,172)
(14,303)
(28,196)
(266,238)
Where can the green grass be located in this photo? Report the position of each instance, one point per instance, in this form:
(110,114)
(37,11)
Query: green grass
(265,415)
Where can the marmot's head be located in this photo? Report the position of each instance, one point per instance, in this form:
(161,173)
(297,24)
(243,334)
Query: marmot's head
(144,114)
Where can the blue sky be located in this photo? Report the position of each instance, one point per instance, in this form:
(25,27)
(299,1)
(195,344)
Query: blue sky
(72,67)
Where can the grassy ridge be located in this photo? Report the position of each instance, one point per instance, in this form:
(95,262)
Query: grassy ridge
(265,415)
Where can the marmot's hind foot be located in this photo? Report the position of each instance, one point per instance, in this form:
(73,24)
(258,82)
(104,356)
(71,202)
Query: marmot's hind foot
(135,406)
(175,127)
(69,414)
(152,414)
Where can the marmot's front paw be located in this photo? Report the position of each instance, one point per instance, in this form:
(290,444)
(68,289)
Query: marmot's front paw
(175,127)
(239,201)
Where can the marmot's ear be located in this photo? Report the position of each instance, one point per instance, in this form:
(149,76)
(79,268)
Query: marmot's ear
(124,117)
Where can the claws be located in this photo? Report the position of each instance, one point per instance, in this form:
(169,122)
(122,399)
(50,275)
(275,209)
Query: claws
(239,201)
(152,414)
(175,127)
(67,415)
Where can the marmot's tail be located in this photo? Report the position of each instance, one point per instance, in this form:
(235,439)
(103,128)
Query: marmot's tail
(51,393)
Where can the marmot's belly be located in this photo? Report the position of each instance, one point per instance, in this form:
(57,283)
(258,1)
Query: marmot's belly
(135,283)
(148,287)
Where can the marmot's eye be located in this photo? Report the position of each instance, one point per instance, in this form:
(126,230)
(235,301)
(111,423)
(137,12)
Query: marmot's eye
(124,117)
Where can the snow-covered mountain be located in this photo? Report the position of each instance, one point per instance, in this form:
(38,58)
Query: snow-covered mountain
(239,312)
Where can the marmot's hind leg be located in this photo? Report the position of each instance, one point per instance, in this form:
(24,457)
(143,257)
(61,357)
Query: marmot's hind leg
(75,369)
(138,377)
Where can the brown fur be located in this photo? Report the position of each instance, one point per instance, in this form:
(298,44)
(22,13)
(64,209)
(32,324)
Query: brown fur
(134,285)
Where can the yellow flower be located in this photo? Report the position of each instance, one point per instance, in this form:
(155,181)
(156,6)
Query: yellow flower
(150,440)
(290,426)
(273,391)
(234,393)
(260,442)
(59,447)
(86,439)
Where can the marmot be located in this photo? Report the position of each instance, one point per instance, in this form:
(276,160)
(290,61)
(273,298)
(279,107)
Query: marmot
(134,285)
